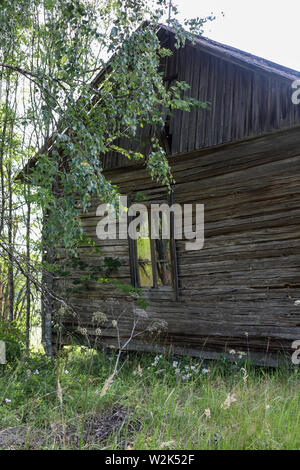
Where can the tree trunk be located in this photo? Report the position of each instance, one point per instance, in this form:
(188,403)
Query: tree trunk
(11,285)
(28,284)
(46,298)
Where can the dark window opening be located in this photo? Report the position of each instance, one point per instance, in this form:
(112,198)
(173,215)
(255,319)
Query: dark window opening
(153,262)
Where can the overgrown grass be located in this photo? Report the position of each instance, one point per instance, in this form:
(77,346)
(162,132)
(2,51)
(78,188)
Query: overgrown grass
(42,404)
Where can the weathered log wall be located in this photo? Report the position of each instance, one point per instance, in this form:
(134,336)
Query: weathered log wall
(239,290)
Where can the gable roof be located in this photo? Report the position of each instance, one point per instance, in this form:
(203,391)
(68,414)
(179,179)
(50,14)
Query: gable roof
(222,51)
(239,57)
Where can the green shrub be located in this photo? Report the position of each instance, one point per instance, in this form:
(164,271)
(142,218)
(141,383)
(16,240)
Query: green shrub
(14,339)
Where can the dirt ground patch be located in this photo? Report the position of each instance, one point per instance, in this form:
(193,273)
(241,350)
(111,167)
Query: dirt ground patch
(14,437)
(86,433)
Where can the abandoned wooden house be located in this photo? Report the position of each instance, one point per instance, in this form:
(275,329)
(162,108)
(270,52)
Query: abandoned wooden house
(241,160)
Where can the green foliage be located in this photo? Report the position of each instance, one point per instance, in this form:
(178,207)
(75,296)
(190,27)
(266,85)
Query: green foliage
(14,339)
(133,292)
(62,46)
(140,197)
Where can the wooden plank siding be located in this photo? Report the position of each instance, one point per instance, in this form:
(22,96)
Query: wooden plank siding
(243,103)
(239,290)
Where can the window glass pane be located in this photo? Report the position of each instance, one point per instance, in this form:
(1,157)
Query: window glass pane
(145,274)
(164,277)
(144,249)
(163,262)
(144,262)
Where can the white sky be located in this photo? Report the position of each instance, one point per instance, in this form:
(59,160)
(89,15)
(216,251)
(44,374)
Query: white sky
(267,28)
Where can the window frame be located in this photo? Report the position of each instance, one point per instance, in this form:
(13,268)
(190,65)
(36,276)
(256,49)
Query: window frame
(133,254)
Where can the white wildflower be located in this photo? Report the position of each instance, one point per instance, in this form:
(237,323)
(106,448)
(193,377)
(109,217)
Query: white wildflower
(186,376)
(232,351)
(99,318)
(81,330)
(141,313)
(207,412)
(7,400)
(156,359)
(241,354)
(159,326)
(205,371)
(66,371)
(175,363)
